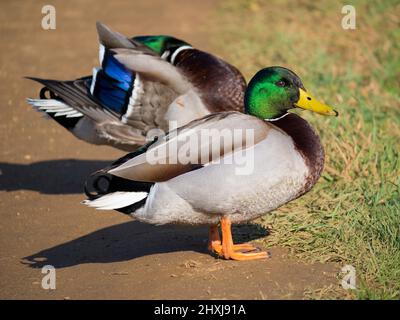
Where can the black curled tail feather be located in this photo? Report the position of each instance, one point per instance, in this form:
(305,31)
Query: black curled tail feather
(94,187)
(44,90)
(101,183)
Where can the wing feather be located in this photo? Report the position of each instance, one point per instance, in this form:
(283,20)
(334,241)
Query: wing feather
(163,159)
(153,68)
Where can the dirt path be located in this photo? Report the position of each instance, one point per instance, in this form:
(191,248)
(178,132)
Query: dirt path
(42,167)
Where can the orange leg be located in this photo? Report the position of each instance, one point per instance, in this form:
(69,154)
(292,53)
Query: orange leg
(214,242)
(227,249)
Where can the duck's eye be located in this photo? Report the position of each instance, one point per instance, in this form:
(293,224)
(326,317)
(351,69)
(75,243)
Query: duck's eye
(281,83)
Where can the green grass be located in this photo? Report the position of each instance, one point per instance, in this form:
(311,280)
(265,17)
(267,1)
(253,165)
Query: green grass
(352,216)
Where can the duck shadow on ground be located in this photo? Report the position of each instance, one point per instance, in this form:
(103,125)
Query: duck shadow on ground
(65,176)
(132,240)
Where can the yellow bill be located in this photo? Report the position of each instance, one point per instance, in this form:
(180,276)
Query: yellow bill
(308,102)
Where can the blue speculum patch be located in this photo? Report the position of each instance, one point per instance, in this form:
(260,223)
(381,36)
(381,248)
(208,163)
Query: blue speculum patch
(113,84)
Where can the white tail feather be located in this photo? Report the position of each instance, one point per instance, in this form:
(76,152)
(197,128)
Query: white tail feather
(46,103)
(116,200)
(54,106)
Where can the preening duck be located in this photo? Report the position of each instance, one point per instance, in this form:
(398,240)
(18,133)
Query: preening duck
(283,160)
(164,82)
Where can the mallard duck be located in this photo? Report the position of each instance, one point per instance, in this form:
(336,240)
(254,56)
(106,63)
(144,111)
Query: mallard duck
(167,82)
(284,161)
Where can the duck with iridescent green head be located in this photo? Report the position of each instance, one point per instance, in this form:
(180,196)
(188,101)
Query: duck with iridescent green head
(284,159)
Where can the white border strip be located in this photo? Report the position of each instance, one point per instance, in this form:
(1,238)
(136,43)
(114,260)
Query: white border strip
(179,50)
(95,70)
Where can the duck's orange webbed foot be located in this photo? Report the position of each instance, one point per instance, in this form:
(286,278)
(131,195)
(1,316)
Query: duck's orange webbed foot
(226,249)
